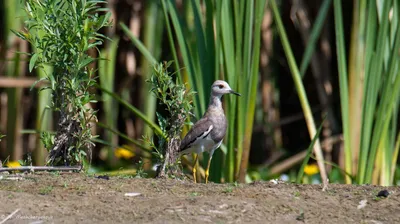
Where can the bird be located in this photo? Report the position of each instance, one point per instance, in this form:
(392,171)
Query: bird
(207,134)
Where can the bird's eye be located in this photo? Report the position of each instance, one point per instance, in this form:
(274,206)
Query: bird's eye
(220,86)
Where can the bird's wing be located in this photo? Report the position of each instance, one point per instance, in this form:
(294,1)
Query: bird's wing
(200,130)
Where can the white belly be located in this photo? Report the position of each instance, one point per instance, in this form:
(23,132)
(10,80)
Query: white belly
(203,145)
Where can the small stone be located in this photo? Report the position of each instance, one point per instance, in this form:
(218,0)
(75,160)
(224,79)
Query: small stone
(133,194)
(274,181)
(105,177)
(383,193)
(362,204)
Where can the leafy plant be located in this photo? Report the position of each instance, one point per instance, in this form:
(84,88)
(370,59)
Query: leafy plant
(176,103)
(61,32)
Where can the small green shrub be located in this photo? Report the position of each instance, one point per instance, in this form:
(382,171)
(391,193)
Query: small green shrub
(176,102)
(61,32)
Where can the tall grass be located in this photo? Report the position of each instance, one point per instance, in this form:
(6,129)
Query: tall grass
(300,91)
(152,38)
(107,81)
(44,118)
(219,41)
(314,35)
(14,68)
(369,87)
(152,35)
(343,83)
(370,101)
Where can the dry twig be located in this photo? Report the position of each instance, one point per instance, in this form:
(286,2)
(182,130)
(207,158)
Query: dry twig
(41,168)
(9,216)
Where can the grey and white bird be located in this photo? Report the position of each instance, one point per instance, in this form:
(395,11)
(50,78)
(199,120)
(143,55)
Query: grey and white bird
(207,134)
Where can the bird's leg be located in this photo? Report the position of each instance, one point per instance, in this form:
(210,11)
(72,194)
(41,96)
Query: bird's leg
(208,168)
(208,165)
(195,167)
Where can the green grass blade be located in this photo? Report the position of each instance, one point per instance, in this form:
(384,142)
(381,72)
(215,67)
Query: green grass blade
(252,78)
(356,72)
(244,54)
(309,152)
(44,118)
(387,106)
(369,55)
(373,82)
(200,44)
(122,135)
(300,89)
(343,85)
(394,158)
(186,57)
(212,48)
(139,45)
(171,40)
(314,35)
(134,110)
(106,76)
(228,52)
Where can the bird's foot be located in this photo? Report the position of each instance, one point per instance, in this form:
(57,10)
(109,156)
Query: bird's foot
(194,175)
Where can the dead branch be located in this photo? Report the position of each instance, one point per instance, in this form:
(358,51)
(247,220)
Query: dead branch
(41,168)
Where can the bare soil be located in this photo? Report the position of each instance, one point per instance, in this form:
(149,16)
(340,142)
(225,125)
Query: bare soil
(78,198)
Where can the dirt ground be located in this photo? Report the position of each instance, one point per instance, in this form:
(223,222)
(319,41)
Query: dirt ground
(78,198)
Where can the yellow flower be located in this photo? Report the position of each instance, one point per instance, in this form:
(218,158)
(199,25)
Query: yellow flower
(124,153)
(311,169)
(12,164)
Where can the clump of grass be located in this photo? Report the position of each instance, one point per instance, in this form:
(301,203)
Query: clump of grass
(228,189)
(61,32)
(46,190)
(26,162)
(141,173)
(176,102)
(55,174)
(194,194)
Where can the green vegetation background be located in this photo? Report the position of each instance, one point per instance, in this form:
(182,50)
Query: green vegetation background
(294,63)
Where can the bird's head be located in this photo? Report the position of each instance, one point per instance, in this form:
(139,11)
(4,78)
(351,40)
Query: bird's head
(220,88)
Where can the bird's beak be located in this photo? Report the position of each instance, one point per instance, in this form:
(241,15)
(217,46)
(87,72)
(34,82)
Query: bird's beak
(233,92)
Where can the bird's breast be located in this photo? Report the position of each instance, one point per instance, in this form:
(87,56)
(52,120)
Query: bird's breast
(220,126)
